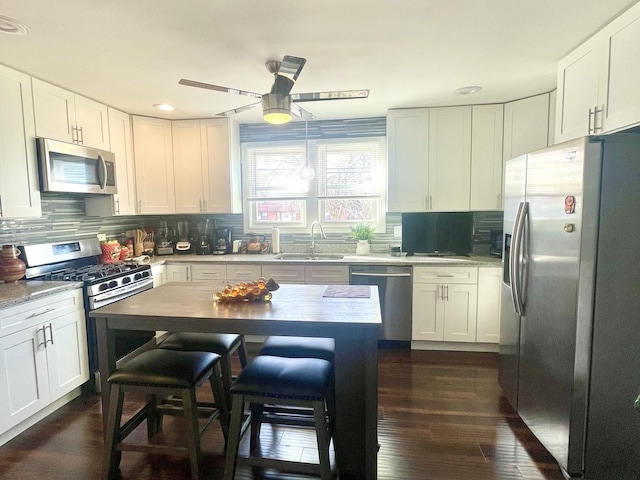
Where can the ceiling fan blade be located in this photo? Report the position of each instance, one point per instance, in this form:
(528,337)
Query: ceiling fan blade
(292,66)
(233,111)
(282,85)
(300,112)
(337,95)
(193,83)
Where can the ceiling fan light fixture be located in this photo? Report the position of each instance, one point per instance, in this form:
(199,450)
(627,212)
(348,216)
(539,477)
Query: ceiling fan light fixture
(276,109)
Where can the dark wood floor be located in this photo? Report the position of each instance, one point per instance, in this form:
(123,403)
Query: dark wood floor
(441,417)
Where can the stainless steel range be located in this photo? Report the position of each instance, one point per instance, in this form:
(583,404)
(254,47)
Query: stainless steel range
(78,261)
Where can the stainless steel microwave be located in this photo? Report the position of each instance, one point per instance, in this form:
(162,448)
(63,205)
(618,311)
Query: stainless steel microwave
(67,167)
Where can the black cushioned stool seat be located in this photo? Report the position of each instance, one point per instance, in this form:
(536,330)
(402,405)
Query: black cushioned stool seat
(159,373)
(299,382)
(299,347)
(223,344)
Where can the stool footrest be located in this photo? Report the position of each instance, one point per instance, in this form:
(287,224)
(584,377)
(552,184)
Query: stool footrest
(152,448)
(277,464)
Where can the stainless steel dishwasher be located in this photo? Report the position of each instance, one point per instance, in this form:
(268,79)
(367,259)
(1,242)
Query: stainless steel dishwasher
(395,289)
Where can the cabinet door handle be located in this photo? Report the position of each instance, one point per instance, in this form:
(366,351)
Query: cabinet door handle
(447,297)
(0,205)
(80,136)
(139,206)
(117,206)
(204,205)
(597,111)
(37,314)
(44,335)
(499,200)
(50,334)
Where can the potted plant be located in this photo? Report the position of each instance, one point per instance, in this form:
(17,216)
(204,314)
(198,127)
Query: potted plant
(362,232)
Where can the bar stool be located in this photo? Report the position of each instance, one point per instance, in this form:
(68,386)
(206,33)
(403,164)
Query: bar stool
(299,382)
(159,373)
(223,344)
(300,347)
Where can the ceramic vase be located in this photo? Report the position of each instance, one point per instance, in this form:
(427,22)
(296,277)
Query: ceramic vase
(362,247)
(11,267)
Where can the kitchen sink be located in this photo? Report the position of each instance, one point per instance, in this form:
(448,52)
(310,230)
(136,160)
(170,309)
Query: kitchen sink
(309,256)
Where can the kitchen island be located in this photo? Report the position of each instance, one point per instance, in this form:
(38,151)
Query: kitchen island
(299,310)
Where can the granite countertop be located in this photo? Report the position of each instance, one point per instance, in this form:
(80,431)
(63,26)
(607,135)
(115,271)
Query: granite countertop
(25,290)
(331,259)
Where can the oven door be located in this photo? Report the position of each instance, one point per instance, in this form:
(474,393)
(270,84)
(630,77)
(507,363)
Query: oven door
(126,341)
(106,298)
(67,167)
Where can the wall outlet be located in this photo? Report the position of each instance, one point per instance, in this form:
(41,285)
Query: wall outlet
(397,231)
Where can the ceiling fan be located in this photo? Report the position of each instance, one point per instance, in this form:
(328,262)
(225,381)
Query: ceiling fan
(279,104)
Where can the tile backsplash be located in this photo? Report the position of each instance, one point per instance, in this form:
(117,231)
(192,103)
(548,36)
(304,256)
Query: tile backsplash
(64,218)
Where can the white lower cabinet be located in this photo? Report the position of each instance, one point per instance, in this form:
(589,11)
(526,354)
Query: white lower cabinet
(159,273)
(489,293)
(178,272)
(43,355)
(444,304)
(284,273)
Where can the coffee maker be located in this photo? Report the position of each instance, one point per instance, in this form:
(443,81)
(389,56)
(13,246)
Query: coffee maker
(163,242)
(224,241)
(183,245)
(203,247)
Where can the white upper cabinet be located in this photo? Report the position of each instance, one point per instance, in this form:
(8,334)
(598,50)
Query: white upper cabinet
(190,169)
(408,160)
(578,90)
(124,202)
(220,140)
(449,158)
(153,165)
(19,191)
(445,159)
(206,166)
(598,82)
(486,157)
(65,116)
(622,95)
(526,125)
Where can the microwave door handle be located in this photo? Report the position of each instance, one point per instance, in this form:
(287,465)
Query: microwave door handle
(102,172)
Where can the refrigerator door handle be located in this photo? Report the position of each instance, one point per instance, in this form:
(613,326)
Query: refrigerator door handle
(517,258)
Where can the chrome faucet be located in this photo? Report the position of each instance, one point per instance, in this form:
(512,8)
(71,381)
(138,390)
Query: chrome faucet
(312,247)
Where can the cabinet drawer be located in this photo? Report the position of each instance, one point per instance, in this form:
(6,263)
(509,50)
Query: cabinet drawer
(445,275)
(326,274)
(39,311)
(284,273)
(200,273)
(243,273)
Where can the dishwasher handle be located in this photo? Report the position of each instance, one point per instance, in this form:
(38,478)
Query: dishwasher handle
(364,274)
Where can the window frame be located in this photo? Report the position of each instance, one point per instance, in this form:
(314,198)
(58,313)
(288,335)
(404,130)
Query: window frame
(312,209)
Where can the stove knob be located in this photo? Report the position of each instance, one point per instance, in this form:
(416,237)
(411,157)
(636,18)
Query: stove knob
(113,284)
(137,276)
(103,287)
(146,273)
(126,280)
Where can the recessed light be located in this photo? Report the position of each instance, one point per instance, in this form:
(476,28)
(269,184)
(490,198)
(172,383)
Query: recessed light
(467,90)
(12,27)
(163,106)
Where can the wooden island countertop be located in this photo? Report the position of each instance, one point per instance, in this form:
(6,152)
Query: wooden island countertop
(299,310)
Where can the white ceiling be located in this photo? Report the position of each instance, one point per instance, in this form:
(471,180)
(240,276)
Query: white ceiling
(130,54)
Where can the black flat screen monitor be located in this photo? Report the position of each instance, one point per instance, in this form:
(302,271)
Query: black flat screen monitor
(441,233)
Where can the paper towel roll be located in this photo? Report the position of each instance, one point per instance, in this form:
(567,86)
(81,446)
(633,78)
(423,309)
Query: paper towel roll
(275,240)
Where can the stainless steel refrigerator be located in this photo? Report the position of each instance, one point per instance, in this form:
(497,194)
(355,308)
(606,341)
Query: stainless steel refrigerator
(570,324)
